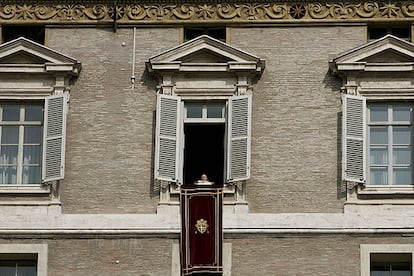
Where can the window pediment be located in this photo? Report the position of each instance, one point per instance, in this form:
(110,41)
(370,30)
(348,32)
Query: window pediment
(388,54)
(205,54)
(23,55)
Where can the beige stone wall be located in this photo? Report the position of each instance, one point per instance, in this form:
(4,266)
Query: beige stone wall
(307,256)
(110,126)
(97,257)
(287,256)
(296,117)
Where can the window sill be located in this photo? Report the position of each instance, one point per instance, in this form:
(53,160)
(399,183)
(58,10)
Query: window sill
(227,189)
(391,190)
(24,189)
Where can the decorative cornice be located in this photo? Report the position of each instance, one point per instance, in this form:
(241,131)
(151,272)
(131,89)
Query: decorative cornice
(169,12)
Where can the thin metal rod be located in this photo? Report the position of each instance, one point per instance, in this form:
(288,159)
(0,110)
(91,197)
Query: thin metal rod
(133,58)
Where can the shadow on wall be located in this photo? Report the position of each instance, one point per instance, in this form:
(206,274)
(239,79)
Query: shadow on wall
(147,80)
(334,83)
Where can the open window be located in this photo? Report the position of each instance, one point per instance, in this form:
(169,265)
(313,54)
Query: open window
(204,117)
(211,137)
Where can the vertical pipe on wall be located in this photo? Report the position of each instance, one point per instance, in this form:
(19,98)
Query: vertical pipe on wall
(133,58)
(115,23)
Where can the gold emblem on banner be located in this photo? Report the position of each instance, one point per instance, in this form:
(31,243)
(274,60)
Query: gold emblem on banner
(202,226)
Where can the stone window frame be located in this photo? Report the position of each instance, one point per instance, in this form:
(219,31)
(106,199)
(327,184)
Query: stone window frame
(203,69)
(50,74)
(41,250)
(379,71)
(367,249)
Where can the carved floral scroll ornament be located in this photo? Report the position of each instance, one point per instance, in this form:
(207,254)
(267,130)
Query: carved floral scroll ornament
(158,13)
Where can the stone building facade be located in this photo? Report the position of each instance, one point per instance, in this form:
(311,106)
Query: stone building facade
(320,182)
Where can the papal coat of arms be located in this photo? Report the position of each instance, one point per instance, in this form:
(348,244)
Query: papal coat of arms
(202,226)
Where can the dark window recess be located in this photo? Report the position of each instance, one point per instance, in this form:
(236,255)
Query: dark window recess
(204,152)
(32,32)
(18,267)
(378,32)
(216,32)
(391,264)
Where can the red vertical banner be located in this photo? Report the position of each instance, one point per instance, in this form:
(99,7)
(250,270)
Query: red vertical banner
(201,231)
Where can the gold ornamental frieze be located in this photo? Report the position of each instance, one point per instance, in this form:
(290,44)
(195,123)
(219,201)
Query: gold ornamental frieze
(209,12)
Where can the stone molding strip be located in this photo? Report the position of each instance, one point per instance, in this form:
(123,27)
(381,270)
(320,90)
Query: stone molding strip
(170,12)
(152,225)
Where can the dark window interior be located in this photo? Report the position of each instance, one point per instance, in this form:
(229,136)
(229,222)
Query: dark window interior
(204,152)
(32,32)
(403,32)
(391,264)
(18,267)
(215,32)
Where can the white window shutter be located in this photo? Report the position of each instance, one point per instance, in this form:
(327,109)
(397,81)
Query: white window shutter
(167,140)
(53,165)
(238,141)
(353,148)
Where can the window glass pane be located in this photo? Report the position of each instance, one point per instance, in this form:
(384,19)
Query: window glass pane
(32,134)
(214,111)
(10,135)
(379,273)
(33,113)
(402,114)
(378,113)
(378,135)
(401,135)
(8,175)
(26,271)
(378,156)
(31,175)
(402,155)
(402,176)
(194,110)
(8,270)
(8,154)
(11,112)
(378,176)
(32,154)
(401,273)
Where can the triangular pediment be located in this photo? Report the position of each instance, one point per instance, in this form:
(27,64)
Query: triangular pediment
(203,51)
(24,52)
(389,49)
(204,56)
(22,57)
(388,56)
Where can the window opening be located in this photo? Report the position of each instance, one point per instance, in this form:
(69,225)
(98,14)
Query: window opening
(33,32)
(18,264)
(21,132)
(204,152)
(403,32)
(204,132)
(215,32)
(390,264)
(390,147)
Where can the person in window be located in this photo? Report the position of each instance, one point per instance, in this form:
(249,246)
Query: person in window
(204,179)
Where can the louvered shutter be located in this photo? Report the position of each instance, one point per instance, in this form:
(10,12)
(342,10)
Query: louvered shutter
(53,166)
(238,141)
(354,108)
(167,138)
